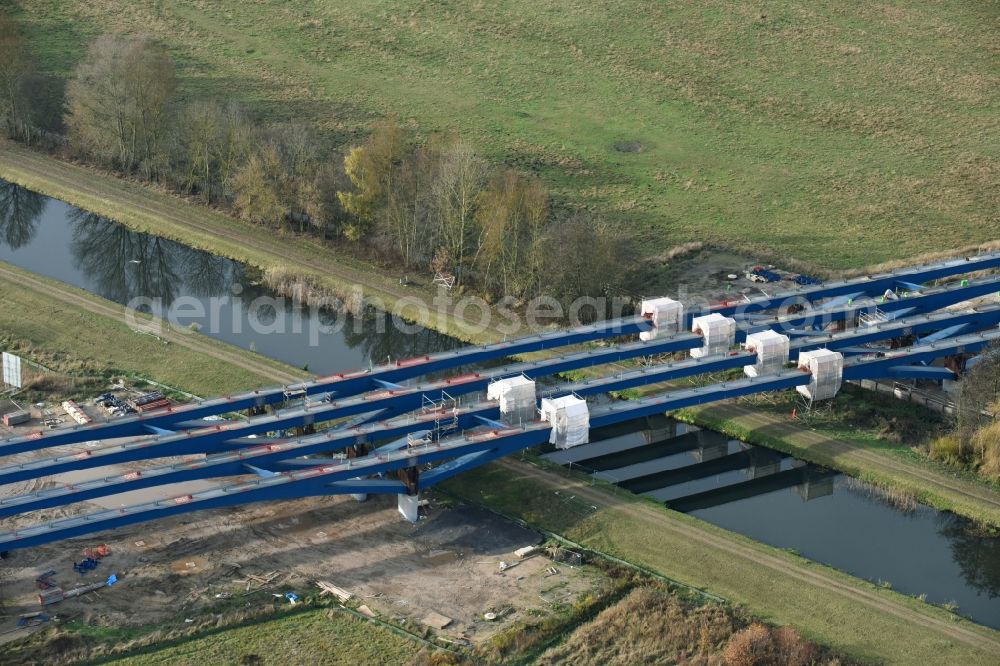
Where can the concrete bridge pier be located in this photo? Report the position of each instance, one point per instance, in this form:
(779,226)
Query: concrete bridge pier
(409,504)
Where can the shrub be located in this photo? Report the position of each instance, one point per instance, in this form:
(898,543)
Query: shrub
(986,444)
(752,646)
(947,448)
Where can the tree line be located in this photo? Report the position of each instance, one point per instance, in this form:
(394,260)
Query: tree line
(433,206)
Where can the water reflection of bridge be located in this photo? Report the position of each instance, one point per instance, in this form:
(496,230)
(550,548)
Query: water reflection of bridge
(661,456)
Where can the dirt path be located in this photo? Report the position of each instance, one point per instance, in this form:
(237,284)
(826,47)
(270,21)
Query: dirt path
(933,481)
(778,566)
(189,340)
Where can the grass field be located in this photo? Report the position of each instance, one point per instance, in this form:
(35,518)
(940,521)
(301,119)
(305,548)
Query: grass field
(72,338)
(318,636)
(843,134)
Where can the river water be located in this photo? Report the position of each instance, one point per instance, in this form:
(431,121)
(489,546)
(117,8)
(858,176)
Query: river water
(823,515)
(778,500)
(222,298)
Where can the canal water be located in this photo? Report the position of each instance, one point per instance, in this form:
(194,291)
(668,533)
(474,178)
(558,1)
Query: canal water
(221,298)
(823,515)
(778,500)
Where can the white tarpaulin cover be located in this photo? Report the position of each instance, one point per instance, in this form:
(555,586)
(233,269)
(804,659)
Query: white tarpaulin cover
(772,352)
(570,419)
(718,332)
(827,370)
(666,314)
(516,396)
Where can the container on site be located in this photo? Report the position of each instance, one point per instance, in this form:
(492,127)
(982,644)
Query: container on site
(14,418)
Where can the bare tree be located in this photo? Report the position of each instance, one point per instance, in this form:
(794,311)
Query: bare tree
(236,139)
(16,68)
(404,224)
(456,187)
(117,102)
(978,401)
(581,256)
(198,136)
(302,180)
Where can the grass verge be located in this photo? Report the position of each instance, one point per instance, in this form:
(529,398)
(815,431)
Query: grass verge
(827,606)
(324,637)
(71,337)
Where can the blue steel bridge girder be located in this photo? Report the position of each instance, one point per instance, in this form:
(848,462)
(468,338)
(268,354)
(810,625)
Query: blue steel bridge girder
(235,463)
(292,485)
(300,483)
(403,400)
(398,401)
(948,332)
(930,300)
(137,426)
(919,372)
(872,285)
(474,415)
(220,441)
(353,383)
(860,367)
(909,286)
(343,383)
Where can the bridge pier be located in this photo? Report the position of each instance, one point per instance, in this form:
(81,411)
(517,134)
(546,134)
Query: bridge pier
(409,504)
(956,363)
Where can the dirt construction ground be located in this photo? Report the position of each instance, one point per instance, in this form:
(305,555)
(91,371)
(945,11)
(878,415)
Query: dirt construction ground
(447,563)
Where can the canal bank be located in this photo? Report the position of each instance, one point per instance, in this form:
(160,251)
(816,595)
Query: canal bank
(198,293)
(85,336)
(143,208)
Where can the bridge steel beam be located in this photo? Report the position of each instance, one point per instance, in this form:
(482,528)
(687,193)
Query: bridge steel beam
(868,284)
(175,416)
(304,482)
(467,416)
